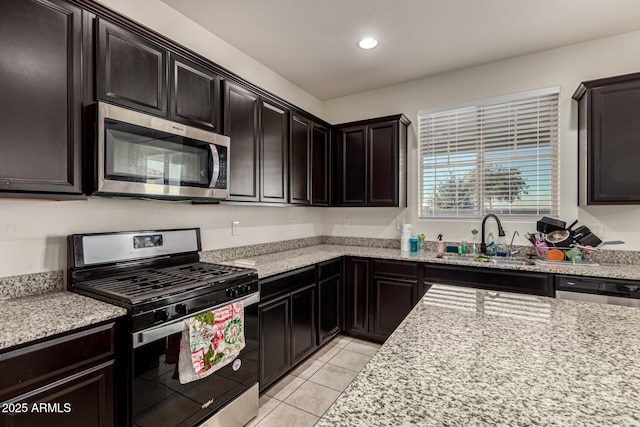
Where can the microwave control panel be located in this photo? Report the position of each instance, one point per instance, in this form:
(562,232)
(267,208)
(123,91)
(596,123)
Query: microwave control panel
(221,183)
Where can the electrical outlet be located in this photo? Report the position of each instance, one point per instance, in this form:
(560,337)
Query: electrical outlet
(291,221)
(399,223)
(346,223)
(235,228)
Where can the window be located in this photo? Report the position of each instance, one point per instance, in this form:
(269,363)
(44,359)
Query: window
(498,155)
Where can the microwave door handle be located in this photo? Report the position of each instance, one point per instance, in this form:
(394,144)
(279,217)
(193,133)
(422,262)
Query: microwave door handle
(215,170)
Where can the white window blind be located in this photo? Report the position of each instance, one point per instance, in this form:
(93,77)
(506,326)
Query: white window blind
(494,156)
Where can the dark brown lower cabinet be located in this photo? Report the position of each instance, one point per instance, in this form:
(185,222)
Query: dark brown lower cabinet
(303,323)
(357,290)
(330,298)
(66,380)
(379,294)
(287,316)
(275,338)
(394,300)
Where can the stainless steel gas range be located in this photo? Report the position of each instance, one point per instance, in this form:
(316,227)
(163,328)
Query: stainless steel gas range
(158,278)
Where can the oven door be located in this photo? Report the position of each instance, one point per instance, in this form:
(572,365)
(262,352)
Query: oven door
(158,398)
(142,155)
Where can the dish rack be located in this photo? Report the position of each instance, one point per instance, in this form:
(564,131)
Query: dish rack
(585,254)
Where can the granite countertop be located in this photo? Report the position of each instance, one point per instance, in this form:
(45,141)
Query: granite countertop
(472,357)
(42,315)
(280,262)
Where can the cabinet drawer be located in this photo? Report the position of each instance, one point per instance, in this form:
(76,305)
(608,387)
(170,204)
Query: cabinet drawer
(400,269)
(287,282)
(492,279)
(48,360)
(329,268)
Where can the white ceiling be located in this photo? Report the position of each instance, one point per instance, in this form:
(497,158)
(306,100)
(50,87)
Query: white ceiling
(312,43)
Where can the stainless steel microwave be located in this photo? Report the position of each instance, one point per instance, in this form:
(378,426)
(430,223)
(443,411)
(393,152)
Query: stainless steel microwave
(139,155)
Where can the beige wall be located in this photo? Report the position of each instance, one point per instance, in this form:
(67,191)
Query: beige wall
(565,67)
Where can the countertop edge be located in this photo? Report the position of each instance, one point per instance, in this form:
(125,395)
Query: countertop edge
(31,318)
(285,261)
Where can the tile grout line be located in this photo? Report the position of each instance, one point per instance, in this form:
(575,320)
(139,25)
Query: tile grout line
(280,402)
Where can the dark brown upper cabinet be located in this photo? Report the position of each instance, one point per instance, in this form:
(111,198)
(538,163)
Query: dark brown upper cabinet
(320,166)
(241,124)
(274,149)
(299,165)
(132,71)
(40,99)
(369,159)
(609,148)
(259,132)
(194,94)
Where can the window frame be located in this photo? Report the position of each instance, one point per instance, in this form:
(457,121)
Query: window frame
(481,209)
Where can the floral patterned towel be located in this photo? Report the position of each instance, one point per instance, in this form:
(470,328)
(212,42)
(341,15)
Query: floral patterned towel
(211,341)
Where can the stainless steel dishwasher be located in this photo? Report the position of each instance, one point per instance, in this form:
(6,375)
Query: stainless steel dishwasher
(600,290)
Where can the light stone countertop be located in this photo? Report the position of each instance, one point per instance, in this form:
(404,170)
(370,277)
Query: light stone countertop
(468,357)
(281,262)
(38,316)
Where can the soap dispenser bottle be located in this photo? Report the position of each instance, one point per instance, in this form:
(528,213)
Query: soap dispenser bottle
(440,244)
(491,245)
(501,246)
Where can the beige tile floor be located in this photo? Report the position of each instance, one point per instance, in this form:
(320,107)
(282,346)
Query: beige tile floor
(300,398)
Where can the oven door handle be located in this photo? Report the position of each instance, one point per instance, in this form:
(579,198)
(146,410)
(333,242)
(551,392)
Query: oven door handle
(145,337)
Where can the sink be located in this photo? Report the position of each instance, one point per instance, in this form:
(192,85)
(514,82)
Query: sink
(459,258)
(508,262)
(494,261)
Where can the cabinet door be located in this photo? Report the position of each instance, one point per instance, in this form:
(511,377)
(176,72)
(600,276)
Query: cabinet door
(382,164)
(394,299)
(194,94)
(274,153)
(615,154)
(303,323)
(299,168)
(241,113)
(320,166)
(40,99)
(82,399)
(329,308)
(275,350)
(132,71)
(353,171)
(356,295)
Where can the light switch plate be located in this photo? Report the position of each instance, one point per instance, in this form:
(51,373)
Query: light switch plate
(235,228)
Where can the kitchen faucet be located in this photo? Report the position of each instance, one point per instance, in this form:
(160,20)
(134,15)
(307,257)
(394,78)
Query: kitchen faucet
(511,251)
(483,245)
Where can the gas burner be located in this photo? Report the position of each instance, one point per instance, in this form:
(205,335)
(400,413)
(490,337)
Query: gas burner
(156,276)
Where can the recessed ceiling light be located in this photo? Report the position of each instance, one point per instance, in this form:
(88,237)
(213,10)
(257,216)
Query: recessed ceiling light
(368,42)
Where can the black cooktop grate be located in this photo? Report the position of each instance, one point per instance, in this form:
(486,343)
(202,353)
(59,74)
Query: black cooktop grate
(147,284)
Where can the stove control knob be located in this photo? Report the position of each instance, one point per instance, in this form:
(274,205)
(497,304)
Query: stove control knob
(181,308)
(246,289)
(162,315)
(234,293)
